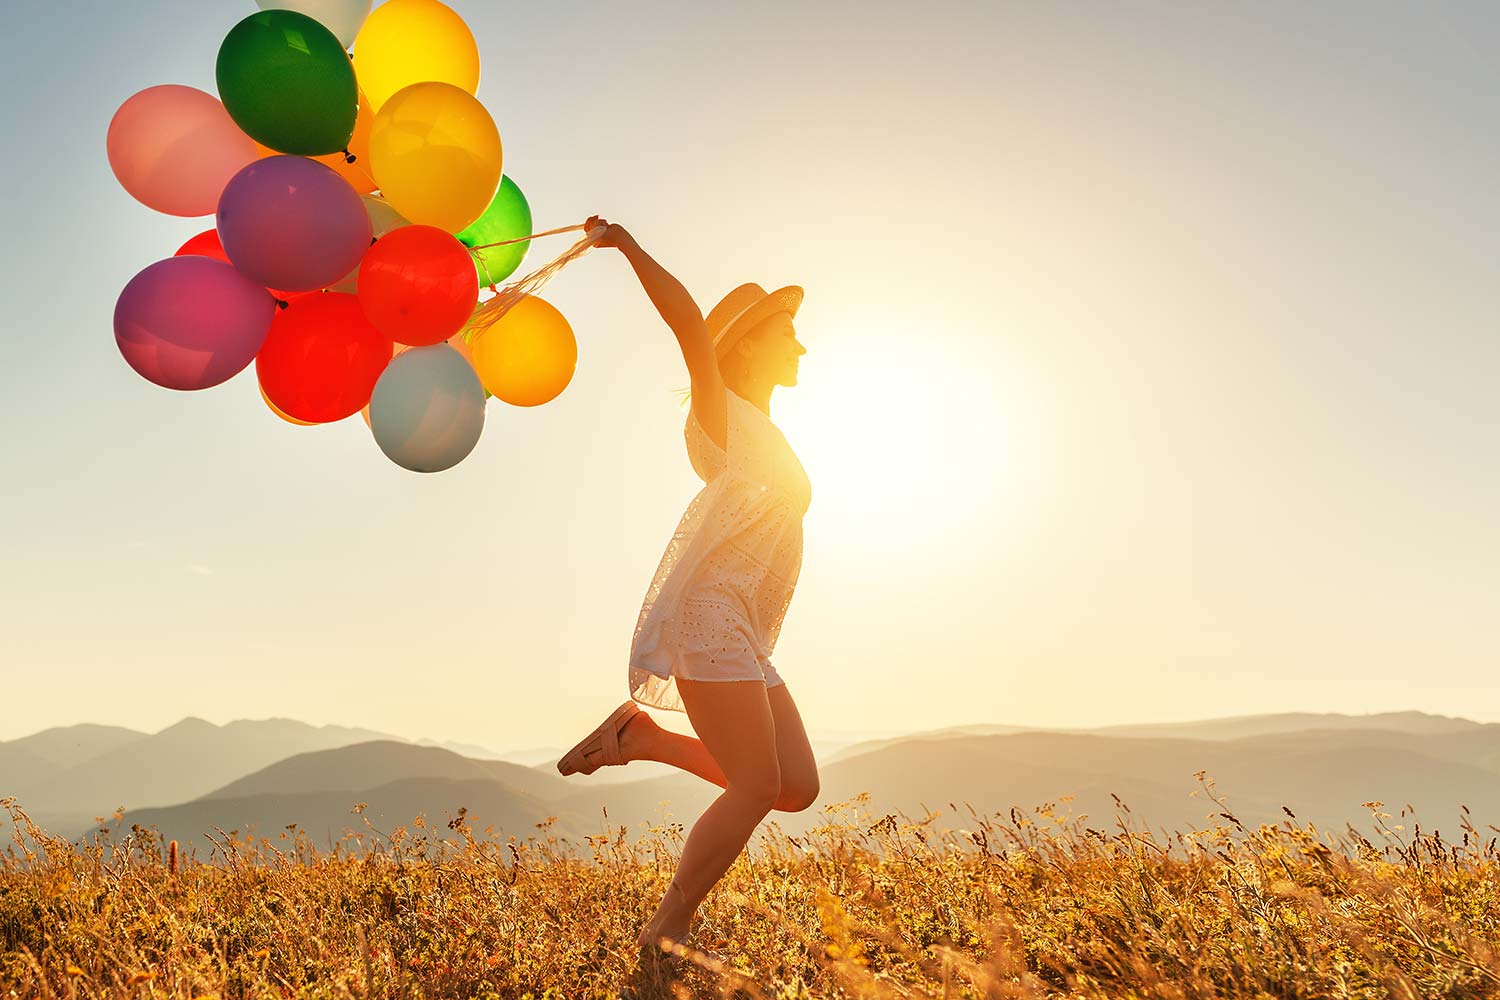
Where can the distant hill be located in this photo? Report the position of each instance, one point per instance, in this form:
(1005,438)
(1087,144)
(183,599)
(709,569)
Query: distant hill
(1478,746)
(1322,766)
(1240,726)
(466,749)
(1322,775)
(535,756)
(391,775)
(1227,728)
(991,773)
(367,765)
(951,732)
(67,746)
(25,773)
(1322,778)
(30,766)
(397,780)
(64,777)
(327,814)
(179,763)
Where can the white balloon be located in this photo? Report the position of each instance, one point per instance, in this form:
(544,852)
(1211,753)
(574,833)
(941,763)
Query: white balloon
(427,410)
(342,17)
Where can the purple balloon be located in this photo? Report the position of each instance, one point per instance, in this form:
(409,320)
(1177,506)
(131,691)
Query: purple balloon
(292,223)
(191,322)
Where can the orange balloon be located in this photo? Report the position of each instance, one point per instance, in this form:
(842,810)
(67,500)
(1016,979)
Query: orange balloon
(277,410)
(527,356)
(356,173)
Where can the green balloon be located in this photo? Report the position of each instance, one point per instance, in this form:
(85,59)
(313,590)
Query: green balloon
(507,218)
(288,83)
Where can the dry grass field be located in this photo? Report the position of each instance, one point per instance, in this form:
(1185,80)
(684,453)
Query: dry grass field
(1026,904)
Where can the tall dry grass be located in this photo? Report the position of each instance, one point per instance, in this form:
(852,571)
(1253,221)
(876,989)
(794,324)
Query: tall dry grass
(1031,904)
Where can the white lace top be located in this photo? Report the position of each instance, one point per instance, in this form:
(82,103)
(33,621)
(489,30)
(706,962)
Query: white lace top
(742,531)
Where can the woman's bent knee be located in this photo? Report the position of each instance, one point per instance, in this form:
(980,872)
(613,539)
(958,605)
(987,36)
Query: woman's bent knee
(796,799)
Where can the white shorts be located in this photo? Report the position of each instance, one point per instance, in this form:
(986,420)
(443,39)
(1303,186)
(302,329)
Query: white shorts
(713,639)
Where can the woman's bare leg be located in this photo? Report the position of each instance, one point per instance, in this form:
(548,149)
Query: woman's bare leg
(734,722)
(643,739)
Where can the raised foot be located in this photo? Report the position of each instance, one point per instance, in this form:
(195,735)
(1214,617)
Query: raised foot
(635,738)
(638,736)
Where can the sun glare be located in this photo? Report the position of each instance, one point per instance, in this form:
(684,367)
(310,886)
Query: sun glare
(905,441)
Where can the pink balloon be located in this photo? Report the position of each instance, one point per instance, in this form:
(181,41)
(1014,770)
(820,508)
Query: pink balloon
(174,148)
(292,223)
(191,322)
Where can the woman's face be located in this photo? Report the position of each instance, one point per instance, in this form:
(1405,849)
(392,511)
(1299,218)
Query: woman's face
(774,349)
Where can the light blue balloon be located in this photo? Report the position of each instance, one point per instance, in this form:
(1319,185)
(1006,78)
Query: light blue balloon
(427,410)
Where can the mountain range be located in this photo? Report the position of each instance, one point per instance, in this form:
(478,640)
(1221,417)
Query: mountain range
(264,775)
(67,776)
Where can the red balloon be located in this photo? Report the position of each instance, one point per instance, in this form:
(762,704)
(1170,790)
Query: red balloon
(322,358)
(418,284)
(206,244)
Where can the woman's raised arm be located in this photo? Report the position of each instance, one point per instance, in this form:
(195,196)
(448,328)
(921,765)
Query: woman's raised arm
(684,318)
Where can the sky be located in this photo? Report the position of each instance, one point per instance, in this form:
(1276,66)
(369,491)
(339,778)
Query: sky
(1152,353)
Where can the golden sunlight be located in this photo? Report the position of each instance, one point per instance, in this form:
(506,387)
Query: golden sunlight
(908,441)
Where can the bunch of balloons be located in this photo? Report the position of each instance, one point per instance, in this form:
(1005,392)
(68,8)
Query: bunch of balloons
(356,200)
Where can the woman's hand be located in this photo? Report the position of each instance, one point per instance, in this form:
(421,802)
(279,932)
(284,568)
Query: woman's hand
(614,234)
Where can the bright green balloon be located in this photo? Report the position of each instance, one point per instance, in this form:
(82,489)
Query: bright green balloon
(288,83)
(507,218)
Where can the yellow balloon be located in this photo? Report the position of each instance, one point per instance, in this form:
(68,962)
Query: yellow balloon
(410,41)
(527,357)
(277,410)
(436,154)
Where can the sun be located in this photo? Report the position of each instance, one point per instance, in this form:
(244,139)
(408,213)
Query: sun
(906,441)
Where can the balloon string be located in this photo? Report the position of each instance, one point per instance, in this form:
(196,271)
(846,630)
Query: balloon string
(523,239)
(482,246)
(362,171)
(489,313)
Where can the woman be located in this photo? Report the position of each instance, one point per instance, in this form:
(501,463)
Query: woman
(712,613)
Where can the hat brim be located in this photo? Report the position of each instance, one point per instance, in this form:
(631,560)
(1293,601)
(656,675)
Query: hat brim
(787,300)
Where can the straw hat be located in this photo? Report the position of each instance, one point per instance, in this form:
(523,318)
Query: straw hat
(744,307)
